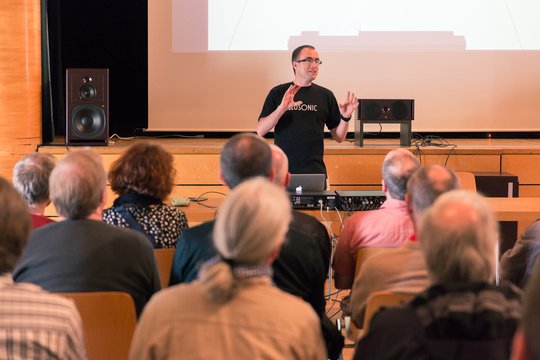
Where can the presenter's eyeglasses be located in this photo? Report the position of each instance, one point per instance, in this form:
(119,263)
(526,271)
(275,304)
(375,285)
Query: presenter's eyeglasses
(310,61)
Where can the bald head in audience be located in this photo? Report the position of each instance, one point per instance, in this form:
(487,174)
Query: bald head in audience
(425,185)
(244,156)
(280,167)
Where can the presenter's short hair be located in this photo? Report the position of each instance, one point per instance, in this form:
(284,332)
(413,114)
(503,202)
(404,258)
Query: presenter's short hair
(298,50)
(78,183)
(144,168)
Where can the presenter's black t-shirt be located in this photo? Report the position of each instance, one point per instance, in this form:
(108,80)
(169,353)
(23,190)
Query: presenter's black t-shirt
(300,131)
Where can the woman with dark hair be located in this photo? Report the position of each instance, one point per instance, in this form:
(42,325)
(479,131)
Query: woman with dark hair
(143,177)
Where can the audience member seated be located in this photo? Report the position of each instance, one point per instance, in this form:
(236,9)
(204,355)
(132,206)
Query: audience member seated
(526,345)
(301,221)
(81,253)
(33,323)
(143,177)
(462,315)
(517,264)
(31,180)
(299,269)
(403,269)
(233,311)
(388,226)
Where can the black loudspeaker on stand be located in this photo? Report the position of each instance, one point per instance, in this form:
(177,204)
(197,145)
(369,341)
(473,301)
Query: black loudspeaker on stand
(87,106)
(373,111)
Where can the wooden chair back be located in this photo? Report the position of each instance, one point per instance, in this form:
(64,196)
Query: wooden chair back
(380,299)
(164,260)
(109,320)
(467,180)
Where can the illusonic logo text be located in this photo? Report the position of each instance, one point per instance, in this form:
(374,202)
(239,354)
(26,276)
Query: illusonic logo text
(304,107)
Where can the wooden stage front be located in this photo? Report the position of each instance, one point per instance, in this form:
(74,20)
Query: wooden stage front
(352,168)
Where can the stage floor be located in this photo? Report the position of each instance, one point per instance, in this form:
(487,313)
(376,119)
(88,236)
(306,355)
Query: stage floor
(200,145)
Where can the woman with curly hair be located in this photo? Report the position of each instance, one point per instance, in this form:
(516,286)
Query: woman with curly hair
(143,177)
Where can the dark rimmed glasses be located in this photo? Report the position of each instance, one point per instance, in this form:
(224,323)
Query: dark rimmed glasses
(310,61)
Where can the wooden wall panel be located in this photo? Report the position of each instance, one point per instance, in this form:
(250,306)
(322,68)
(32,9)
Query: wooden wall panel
(357,187)
(194,169)
(529,191)
(197,169)
(472,163)
(354,169)
(190,169)
(526,167)
(20,79)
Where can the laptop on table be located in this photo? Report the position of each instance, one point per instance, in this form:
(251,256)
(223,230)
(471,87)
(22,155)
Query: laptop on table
(306,182)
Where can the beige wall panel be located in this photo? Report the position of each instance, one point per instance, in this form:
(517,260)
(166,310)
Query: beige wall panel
(526,167)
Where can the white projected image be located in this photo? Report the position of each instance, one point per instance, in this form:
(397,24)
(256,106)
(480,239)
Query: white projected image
(470,66)
(352,25)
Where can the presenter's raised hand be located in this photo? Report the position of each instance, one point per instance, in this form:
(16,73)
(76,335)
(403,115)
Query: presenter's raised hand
(288,98)
(350,104)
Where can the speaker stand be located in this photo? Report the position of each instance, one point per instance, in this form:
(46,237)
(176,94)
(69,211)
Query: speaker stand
(404,131)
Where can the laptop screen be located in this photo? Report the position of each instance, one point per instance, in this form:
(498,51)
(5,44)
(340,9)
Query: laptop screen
(308,182)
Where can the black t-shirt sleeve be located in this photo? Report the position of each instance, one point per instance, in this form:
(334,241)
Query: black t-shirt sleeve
(273,99)
(334,115)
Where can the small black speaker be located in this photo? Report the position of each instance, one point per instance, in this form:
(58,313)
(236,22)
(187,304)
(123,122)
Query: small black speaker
(87,106)
(386,109)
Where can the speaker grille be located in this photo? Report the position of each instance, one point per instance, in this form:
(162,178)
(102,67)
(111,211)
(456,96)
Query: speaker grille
(87,92)
(400,110)
(88,121)
(386,109)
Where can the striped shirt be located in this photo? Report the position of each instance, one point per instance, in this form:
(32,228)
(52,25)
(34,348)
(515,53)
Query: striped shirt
(37,325)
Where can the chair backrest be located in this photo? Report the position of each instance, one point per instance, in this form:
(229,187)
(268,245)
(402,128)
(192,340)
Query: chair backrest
(164,259)
(109,320)
(363,254)
(380,299)
(467,180)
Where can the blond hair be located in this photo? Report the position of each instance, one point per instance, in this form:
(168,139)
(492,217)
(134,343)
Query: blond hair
(251,225)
